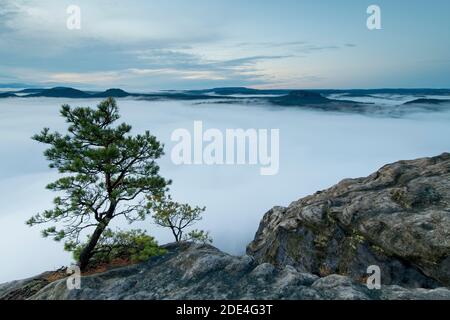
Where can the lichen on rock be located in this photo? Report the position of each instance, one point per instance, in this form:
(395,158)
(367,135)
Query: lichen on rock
(397,218)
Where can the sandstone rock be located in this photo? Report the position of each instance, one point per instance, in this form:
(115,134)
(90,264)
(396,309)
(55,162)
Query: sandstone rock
(397,218)
(177,275)
(23,289)
(188,271)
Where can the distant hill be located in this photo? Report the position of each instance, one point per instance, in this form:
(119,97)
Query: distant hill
(61,92)
(316,98)
(427,101)
(113,93)
(66,92)
(7,95)
(299,98)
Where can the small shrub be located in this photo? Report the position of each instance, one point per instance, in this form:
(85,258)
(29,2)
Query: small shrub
(133,246)
(198,236)
(178,217)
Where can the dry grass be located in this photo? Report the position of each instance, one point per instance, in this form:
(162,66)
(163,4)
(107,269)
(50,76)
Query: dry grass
(56,275)
(103,267)
(99,268)
(324,271)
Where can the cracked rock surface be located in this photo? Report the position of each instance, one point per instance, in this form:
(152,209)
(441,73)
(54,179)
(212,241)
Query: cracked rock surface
(194,272)
(398,218)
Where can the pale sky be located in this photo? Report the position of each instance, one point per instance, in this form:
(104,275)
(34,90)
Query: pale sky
(185,44)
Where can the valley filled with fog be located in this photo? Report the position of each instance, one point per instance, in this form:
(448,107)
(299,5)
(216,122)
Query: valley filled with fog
(317,150)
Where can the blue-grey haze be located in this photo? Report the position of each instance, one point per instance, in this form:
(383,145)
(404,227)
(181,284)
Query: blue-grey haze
(317,150)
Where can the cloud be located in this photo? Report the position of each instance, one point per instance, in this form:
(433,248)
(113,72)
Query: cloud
(7,11)
(269,44)
(191,61)
(249,61)
(295,46)
(157,46)
(163,65)
(111,77)
(42,50)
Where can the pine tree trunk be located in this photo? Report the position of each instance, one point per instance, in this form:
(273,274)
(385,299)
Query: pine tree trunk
(86,253)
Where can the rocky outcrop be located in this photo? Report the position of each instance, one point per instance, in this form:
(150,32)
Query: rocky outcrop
(24,289)
(317,248)
(192,272)
(397,218)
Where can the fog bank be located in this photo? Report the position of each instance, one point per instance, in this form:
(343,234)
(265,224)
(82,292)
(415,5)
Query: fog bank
(317,149)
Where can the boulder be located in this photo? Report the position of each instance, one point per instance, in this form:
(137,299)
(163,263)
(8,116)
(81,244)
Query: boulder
(397,218)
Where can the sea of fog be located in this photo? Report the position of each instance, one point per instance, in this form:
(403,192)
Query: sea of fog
(317,149)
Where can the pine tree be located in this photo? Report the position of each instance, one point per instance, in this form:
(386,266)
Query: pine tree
(178,217)
(106,173)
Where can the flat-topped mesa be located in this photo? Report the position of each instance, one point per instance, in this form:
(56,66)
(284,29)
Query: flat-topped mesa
(397,218)
(112,93)
(299,98)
